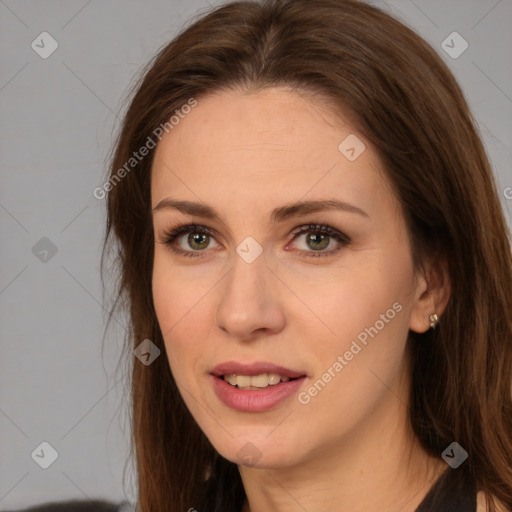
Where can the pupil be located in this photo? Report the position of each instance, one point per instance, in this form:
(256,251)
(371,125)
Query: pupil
(323,240)
(197,240)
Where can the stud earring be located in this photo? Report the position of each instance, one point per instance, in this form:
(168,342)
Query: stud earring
(433,320)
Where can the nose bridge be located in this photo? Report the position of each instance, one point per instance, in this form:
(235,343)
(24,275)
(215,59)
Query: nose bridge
(248,300)
(247,281)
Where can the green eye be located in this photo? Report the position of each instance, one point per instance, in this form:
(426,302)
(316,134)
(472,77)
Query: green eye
(318,237)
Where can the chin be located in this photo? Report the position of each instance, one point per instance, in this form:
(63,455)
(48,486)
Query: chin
(259,453)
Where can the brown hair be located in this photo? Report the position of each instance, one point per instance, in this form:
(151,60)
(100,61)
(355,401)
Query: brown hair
(404,100)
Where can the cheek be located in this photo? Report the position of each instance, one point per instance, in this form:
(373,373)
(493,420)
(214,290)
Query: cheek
(180,313)
(178,291)
(370,327)
(347,300)
(354,372)
(366,308)
(166,291)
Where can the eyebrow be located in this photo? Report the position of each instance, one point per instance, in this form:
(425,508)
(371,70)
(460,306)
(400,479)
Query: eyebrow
(279,214)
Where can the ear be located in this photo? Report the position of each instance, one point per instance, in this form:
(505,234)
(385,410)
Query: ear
(433,290)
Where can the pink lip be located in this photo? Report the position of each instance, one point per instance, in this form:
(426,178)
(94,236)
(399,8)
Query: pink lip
(232,367)
(250,400)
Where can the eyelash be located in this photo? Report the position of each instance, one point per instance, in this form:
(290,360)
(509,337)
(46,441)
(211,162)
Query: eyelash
(173,234)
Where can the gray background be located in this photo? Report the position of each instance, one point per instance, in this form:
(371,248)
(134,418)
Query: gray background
(58,117)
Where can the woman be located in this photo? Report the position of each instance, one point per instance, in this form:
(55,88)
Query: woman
(308,232)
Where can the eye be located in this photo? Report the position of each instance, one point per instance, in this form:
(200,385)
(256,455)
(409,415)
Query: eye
(189,240)
(192,240)
(317,237)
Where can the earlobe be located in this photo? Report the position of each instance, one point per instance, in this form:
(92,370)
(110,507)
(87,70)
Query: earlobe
(433,292)
(423,316)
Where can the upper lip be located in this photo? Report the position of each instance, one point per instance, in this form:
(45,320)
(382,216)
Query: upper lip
(251,369)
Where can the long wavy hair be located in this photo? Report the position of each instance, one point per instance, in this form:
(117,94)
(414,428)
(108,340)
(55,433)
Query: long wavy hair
(402,98)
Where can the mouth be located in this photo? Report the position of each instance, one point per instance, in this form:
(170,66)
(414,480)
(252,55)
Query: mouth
(255,387)
(258,370)
(256,382)
(255,393)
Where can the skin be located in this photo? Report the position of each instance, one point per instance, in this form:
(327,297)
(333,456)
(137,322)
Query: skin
(243,154)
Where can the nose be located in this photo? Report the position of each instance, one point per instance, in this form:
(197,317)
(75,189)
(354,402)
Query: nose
(250,303)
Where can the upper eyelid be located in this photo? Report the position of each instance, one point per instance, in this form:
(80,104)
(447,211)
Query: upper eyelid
(183,229)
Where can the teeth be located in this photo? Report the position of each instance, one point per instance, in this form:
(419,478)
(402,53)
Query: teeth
(255,381)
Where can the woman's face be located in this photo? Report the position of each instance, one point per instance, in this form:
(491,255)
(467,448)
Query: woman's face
(333,301)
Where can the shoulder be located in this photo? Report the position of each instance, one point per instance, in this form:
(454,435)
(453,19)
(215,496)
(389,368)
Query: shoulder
(481,505)
(80,506)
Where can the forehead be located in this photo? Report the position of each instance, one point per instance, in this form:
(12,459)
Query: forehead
(272,146)
(267,121)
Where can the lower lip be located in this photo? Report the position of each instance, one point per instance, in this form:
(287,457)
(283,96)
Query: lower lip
(255,400)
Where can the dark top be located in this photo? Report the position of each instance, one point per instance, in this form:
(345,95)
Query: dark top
(454,491)
(77,505)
